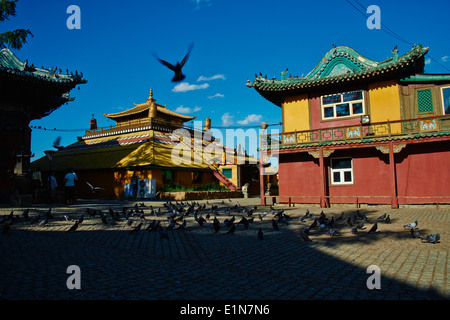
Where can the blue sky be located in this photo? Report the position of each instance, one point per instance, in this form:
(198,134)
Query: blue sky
(233,40)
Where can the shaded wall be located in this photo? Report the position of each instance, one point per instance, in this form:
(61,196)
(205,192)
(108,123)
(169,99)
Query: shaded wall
(422,176)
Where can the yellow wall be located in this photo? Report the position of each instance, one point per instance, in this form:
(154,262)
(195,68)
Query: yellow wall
(385,103)
(234,172)
(124,176)
(296,113)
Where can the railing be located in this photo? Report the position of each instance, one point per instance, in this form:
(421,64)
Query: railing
(135,125)
(359,133)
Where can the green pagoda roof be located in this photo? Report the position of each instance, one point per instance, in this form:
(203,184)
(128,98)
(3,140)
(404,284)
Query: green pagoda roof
(11,66)
(341,65)
(427,78)
(40,91)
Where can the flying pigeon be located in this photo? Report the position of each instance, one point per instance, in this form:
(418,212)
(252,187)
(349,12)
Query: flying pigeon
(94,189)
(179,76)
(57,144)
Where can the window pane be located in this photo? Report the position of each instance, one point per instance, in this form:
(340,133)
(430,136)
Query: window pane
(425,100)
(331,99)
(342,110)
(227,172)
(336,177)
(446,97)
(341,163)
(328,112)
(348,176)
(168,175)
(350,96)
(357,108)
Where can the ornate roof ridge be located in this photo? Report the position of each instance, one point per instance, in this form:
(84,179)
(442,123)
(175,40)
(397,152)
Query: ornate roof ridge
(11,64)
(145,106)
(338,65)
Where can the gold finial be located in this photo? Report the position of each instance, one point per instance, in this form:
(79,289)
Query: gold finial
(150,95)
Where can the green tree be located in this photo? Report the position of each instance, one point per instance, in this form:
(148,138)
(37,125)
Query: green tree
(14,39)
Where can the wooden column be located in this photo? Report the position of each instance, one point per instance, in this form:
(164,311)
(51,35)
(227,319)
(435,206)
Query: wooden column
(261,178)
(394,199)
(323,182)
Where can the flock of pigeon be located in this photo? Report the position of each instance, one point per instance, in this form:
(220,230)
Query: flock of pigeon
(176,213)
(431,238)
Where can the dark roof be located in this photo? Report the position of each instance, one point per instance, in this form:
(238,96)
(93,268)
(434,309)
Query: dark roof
(39,91)
(341,66)
(10,64)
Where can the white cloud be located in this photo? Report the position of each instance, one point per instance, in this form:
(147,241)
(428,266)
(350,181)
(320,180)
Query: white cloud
(185,86)
(250,118)
(445,58)
(214,77)
(428,61)
(217,95)
(182,109)
(227,119)
(200,3)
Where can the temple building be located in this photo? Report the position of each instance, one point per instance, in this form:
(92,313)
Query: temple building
(27,93)
(360,131)
(150,142)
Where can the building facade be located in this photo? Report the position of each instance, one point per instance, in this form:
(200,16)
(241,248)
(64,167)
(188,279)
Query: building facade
(360,131)
(27,93)
(148,142)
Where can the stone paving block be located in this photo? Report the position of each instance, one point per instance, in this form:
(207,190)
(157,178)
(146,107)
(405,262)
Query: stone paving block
(195,263)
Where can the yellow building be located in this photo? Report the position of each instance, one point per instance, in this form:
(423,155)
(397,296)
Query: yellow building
(148,141)
(359,130)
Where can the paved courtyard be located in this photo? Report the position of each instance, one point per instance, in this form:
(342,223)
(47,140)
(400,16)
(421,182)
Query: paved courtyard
(195,263)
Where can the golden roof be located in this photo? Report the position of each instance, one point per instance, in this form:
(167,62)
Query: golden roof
(144,109)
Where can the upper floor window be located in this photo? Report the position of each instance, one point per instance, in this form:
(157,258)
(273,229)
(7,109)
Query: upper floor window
(345,104)
(425,101)
(446,100)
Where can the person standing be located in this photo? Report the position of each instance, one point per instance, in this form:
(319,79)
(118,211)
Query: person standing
(37,183)
(69,186)
(53,184)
